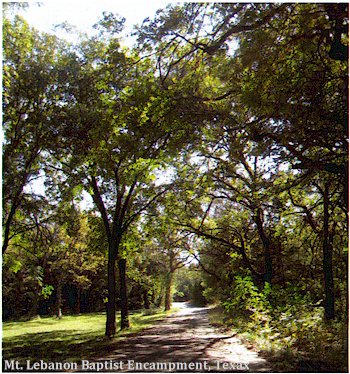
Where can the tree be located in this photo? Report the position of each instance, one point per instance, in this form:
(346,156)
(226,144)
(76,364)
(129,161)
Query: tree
(284,86)
(173,248)
(69,260)
(103,132)
(118,128)
(145,270)
(29,94)
(266,44)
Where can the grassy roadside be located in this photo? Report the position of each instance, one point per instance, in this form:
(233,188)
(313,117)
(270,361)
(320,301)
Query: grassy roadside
(272,348)
(71,338)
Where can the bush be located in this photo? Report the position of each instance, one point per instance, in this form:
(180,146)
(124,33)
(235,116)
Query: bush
(286,320)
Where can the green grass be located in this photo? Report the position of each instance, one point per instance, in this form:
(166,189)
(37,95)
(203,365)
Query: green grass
(71,338)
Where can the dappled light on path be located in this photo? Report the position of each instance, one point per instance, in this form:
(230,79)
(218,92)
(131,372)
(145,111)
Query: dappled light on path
(184,337)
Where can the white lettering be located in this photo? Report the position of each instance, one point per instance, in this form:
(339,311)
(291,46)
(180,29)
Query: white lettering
(152,366)
(229,366)
(85,364)
(36,366)
(12,365)
(131,364)
(205,366)
(139,366)
(181,366)
(191,365)
(160,366)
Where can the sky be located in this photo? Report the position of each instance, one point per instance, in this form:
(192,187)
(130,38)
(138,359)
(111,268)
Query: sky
(83,14)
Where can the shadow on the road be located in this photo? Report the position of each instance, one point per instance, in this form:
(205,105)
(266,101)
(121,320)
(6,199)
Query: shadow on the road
(184,337)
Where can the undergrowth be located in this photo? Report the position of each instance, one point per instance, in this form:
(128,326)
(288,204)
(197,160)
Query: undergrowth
(286,327)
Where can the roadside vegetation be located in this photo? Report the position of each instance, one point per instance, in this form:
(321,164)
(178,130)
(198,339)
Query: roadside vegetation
(290,341)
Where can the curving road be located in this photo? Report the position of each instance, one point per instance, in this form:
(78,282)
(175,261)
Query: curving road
(182,342)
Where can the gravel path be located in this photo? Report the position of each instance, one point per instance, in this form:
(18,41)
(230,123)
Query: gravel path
(183,342)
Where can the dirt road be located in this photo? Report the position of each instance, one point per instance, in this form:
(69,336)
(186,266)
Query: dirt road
(184,341)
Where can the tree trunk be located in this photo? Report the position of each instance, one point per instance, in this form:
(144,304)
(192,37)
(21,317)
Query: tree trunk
(160,299)
(6,237)
(111,303)
(59,300)
(347,290)
(268,273)
(146,302)
(124,317)
(35,301)
(327,259)
(78,303)
(168,286)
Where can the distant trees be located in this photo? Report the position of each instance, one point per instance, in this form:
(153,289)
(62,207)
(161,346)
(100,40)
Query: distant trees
(170,243)
(42,271)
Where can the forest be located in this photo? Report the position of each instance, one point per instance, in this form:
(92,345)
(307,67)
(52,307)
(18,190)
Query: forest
(208,162)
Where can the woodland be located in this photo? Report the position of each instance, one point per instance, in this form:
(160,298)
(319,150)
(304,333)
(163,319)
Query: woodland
(209,162)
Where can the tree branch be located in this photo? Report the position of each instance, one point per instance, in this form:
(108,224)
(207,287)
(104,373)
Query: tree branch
(96,196)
